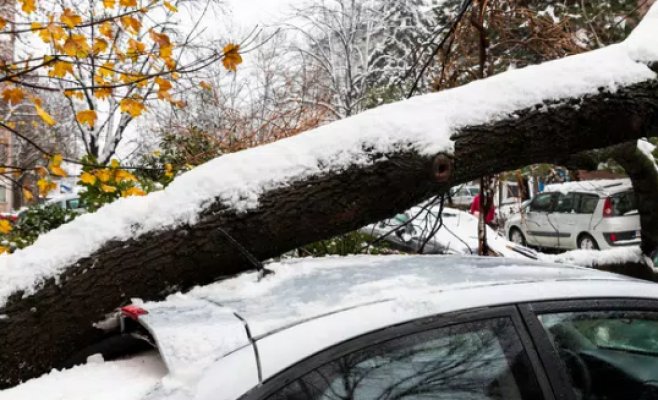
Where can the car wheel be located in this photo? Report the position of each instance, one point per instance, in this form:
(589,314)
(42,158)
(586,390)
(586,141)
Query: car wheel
(516,236)
(587,242)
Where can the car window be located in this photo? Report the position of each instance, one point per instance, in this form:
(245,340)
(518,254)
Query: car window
(543,203)
(607,355)
(73,204)
(623,203)
(475,361)
(566,203)
(588,203)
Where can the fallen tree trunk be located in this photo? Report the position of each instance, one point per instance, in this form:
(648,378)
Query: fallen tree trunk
(42,329)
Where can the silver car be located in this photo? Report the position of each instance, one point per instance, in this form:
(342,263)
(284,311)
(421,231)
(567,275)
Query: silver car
(579,215)
(395,327)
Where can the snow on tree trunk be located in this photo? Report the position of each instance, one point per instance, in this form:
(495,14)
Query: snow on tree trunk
(325,182)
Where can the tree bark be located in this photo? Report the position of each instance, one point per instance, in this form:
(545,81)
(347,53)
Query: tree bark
(42,330)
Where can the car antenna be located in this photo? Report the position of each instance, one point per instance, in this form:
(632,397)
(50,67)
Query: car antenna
(260,267)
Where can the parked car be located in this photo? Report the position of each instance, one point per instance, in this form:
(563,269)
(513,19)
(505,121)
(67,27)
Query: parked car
(409,232)
(579,215)
(396,327)
(68,202)
(462,196)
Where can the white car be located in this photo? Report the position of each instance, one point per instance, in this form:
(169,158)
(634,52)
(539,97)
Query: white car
(579,215)
(458,234)
(69,201)
(396,327)
(463,195)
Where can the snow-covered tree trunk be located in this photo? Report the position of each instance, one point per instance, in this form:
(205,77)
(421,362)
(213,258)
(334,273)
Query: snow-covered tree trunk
(332,180)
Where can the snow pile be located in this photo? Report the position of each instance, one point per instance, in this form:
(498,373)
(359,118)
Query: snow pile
(593,258)
(130,379)
(647,149)
(424,124)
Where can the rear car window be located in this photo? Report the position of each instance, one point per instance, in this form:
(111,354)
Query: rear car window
(623,204)
(588,203)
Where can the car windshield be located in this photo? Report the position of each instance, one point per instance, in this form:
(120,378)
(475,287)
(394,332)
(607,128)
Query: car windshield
(624,204)
(623,332)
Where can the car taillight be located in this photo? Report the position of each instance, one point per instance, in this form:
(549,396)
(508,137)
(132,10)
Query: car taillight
(133,312)
(613,237)
(607,208)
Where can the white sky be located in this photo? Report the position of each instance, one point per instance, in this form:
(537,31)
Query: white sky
(261,12)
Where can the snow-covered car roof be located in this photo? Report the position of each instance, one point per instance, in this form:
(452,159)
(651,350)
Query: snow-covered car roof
(605,187)
(308,305)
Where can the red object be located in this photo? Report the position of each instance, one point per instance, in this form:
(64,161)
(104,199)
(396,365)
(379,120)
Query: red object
(10,218)
(476,206)
(613,237)
(607,208)
(133,312)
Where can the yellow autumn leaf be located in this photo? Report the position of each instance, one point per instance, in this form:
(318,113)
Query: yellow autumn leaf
(58,171)
(103,175)
(128,3)
(161,39)
(87,178)
(166,52)
(232,57)
(123,175)
(100,45)
(60,69)
(108,188)
(135,49)
(13,95)
(103,93)
(76,46)
(45,187)
(27,195)
(133,107)
(169,170)
(109,3)
(106,70)
(41,171)
(106,29)
(131,24)
(170,7)
(4,249)
(44,115)
(164,86)
(205,85)
(3,23)
(52,32)
(115,163)
(28,6)
(133,191)
(5,226)
(57,160)
(70,18)
(86,117)
(76,94)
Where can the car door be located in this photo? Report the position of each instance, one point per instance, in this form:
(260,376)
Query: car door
(483,355)
(599,349)
(539,230)
(572,216)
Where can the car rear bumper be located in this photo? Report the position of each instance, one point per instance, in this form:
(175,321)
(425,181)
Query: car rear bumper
(621,239)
